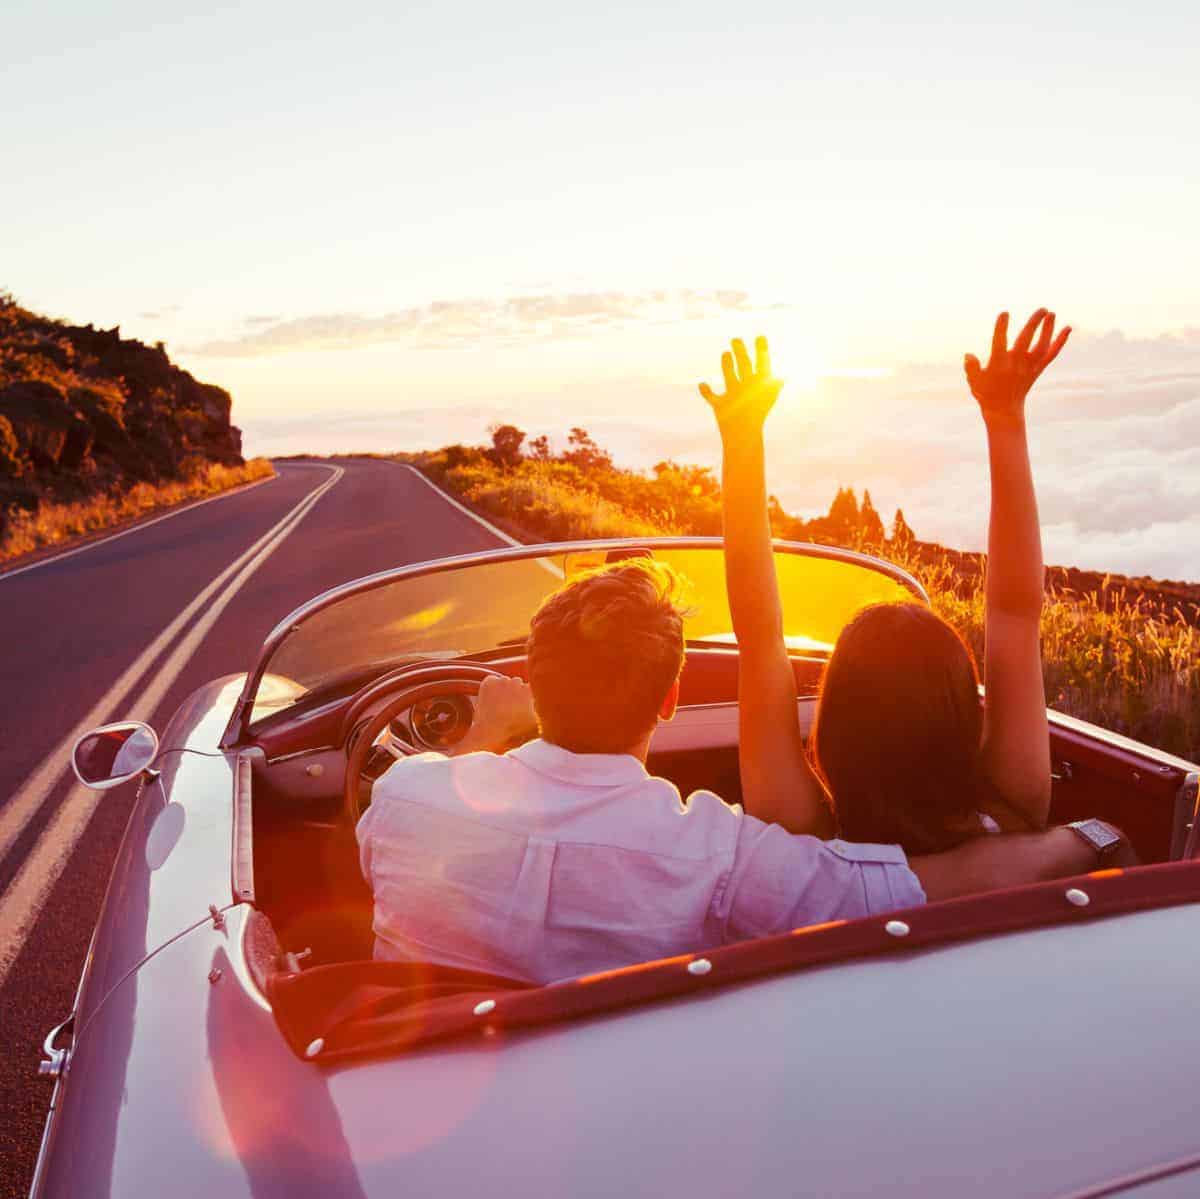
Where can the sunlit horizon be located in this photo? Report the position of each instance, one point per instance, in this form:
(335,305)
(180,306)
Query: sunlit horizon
(384,226)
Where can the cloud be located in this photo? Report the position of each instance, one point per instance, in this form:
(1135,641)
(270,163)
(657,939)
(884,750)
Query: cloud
(1114,437)
(452,324)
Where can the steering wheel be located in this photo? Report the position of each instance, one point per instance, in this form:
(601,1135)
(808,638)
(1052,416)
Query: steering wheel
(407,686)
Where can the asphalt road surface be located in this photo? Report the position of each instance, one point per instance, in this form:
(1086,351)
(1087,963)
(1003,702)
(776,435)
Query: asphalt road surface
(127,628)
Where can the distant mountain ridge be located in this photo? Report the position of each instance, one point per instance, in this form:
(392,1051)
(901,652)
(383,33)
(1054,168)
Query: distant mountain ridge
(84,411)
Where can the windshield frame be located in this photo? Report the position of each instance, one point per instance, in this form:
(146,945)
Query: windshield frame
(237,732)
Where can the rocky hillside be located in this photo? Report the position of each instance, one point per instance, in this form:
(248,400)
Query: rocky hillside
(85,411)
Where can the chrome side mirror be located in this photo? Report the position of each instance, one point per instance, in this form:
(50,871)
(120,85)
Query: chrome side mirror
(113,754)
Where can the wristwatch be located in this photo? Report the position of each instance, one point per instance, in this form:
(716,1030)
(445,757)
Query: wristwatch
(1100,835)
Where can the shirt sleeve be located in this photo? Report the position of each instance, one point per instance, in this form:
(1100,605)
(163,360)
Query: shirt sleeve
(780,881)
(391,782)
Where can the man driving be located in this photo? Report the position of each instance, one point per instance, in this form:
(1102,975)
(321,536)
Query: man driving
(565,856)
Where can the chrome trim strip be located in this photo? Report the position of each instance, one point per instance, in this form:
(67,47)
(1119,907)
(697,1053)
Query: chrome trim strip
(301,753)
(39,1169)
(733,703)
(1127,1182)
(242,858)
(1159,757)
(239,721)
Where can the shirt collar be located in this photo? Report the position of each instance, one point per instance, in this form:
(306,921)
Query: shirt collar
(588,770)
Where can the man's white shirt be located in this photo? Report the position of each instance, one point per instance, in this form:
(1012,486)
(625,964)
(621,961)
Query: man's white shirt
(542,864)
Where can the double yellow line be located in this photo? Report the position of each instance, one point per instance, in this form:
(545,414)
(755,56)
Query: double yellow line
(22,901)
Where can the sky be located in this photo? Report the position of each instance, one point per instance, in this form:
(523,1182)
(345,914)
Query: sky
(387,226)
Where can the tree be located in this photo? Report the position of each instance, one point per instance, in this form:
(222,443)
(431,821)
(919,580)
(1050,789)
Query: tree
(869,522)
(506,444)
(585,453)
(843,515)
(539,448)
(696,480)
(902,535)
(462,455)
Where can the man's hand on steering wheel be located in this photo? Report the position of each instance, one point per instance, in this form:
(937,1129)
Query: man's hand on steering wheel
(503,717)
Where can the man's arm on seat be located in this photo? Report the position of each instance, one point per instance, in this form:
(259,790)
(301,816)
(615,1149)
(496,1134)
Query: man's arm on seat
(1008,860)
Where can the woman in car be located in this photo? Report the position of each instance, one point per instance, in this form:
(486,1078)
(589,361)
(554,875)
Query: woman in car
(904,751)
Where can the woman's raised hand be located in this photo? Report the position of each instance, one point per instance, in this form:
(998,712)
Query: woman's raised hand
(750,390)
(1002,385)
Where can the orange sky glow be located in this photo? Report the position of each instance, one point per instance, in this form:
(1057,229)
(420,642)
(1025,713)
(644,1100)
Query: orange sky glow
(379,233)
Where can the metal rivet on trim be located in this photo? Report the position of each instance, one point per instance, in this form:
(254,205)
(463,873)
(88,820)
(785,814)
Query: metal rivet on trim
(699,966)
(315,1047)
(214,975)
(1079,898)
(896,928)
(484,1006)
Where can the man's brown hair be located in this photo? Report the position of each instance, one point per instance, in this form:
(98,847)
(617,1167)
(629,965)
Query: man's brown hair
(604,652)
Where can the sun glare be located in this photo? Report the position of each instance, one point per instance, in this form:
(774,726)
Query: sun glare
(858,372)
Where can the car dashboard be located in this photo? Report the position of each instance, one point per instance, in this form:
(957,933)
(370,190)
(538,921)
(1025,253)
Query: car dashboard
(300,756)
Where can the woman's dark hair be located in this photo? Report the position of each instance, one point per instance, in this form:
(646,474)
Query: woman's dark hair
(897,738)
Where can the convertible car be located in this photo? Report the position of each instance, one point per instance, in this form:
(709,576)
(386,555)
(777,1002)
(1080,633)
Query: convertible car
(231,1035)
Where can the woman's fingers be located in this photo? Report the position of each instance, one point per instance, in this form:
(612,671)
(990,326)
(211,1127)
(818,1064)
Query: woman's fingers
(738,372)
(1043,342)
(731,381)
(1059,342)
(1000,337)
(1009,374)
(1026,335)
(973,369)
(745,370)
(1044,358)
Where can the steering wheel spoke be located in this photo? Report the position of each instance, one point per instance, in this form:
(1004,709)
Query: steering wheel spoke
(396,746)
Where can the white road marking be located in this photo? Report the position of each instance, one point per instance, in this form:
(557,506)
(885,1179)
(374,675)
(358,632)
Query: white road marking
(491,528)
(28,797)
(136,528)
(25,896)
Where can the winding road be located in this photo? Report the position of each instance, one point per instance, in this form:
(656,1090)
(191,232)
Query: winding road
(125,627)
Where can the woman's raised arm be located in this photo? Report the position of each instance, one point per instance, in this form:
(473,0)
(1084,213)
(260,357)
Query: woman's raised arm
(778,784)
(1016,737)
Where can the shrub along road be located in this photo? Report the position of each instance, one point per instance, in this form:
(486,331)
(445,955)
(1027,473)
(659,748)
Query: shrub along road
(129,628)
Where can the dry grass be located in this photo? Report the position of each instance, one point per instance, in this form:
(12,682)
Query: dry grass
(546,498)
(52,524)
(1120,659)
(556,500)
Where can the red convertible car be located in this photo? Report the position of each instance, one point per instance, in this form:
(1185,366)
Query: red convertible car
(231,1035)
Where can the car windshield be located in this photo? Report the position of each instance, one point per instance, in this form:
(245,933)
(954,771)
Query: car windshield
(464,607)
